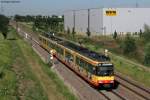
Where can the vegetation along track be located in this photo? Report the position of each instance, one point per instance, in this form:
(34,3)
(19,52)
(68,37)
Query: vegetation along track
(142,94)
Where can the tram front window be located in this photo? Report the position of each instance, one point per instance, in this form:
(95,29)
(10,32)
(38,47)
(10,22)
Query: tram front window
(105,70)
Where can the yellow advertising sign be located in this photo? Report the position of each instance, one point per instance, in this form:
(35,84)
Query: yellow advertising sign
(111,13)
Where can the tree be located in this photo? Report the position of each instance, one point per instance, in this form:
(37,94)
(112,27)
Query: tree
(68,30)
(140,34)
(88,32)
(26,18)
(146,33)
(147,54)
(73,31)
(4,21)
(128,45)
(115,35)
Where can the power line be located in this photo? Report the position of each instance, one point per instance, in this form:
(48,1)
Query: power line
(7,2)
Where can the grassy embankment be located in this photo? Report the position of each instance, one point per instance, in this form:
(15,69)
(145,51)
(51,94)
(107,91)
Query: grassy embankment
(53,84)
(19,78)
(125,65)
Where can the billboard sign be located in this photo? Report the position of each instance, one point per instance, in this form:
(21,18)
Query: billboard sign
(111,13)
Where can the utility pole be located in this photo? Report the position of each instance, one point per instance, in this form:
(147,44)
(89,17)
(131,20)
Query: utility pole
(136,5)
(74,19)
(89,19)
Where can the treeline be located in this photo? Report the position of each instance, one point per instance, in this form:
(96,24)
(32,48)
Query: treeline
(146,37)
(130,44)
(27,18)
(45,23)
(4,23)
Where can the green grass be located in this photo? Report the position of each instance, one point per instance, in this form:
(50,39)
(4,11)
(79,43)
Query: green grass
(17,78)
(131,70)
(8,77)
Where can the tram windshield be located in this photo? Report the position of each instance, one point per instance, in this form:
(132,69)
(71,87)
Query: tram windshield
(105,70)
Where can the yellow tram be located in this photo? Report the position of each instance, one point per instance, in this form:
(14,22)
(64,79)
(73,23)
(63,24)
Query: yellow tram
(95,68)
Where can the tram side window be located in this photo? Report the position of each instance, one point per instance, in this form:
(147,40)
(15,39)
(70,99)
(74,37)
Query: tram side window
(54,46)
(50,44)
(40,38)
(90,68)
(86,65)
(60,50)
(81,63)
(78,61)
(69,56)
(44,41)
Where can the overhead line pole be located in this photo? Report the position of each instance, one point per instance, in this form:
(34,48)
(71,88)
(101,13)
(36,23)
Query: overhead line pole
(89,19)
(74,18)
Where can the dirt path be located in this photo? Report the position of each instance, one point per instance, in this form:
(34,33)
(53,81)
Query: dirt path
(46,82)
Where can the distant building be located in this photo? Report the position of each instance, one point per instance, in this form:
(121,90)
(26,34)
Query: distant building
(104,21)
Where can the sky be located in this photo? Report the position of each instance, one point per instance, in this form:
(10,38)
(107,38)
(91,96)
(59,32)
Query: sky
(58,7)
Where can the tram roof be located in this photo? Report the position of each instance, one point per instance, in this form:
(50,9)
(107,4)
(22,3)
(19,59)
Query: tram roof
(80,49)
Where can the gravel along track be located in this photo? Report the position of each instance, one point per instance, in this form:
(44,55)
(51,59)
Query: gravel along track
(83,90)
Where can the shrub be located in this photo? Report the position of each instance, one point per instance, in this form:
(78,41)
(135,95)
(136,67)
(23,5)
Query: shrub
(140,33)
(68,30)
(88,32)
(147,54)
(115,35)
(73,31)
(146,33)
(128,45)
(4,21)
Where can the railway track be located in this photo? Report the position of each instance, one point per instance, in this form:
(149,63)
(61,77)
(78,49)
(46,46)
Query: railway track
(140,91)
(103,94)
(114,93)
